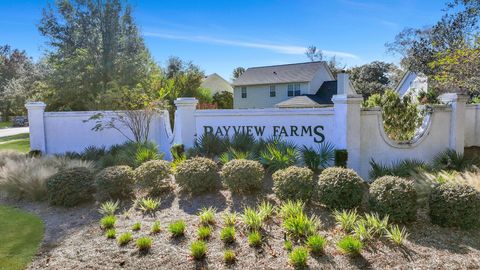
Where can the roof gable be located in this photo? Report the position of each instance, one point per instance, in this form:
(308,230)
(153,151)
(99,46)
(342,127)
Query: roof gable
(301,72)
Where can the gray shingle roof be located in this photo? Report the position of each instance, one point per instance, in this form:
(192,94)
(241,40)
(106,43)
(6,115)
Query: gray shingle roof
(322,98)
(300,72)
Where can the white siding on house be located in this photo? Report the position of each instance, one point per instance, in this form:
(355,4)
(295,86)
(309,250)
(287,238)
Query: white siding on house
(321,76)
(258,96)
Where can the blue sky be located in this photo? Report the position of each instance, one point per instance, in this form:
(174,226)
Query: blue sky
(221,35)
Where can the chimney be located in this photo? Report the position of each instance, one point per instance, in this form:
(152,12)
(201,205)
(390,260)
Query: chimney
(343,84)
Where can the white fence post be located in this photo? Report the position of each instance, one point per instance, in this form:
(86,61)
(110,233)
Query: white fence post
(457,120)
(347,120)
(185,126)
(37,125)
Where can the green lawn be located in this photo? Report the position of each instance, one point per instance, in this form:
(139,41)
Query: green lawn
(5,124)
(19,142)
(20,237)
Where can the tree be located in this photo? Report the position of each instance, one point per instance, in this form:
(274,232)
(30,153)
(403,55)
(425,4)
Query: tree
(375,77)
(315,54)
(224,100)
(237,72)
(95,49)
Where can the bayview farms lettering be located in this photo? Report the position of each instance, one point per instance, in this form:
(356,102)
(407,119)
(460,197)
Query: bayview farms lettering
(276,131)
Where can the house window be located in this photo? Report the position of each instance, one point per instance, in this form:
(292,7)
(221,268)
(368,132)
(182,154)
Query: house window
(290,90)
(273,93)
(297,89)
(244,92)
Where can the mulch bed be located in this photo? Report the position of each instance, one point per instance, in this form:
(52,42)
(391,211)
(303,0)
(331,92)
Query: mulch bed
(74,240)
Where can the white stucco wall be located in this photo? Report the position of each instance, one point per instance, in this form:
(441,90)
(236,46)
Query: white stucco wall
(472,125)
(258,96)
(67,131)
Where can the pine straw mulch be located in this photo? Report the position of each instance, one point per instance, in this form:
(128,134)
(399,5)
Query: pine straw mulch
(74,240)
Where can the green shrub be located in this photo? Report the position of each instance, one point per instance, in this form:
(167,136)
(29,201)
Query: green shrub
(207,215)
(241,175)
(229,256)
(318,158)
(340,188)
(124,238)
(111,233)
(131,154)
(293,183)
(393,196)
(254,239)
(144,244)
(204,232)
(455,205)
(341,158)
(402,168)
(156,227)
(153,176)
(227,234)
(108,222)
(198,250)
(197,175)
(115,183)
(316,243)
(298,257)
(224,100)
(279,155)
(136,226)
(177,228)
(70,187)
(350,245)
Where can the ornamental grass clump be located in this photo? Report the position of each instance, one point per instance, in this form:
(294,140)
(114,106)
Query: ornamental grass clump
(254,239)
(144,244)
(177,228)
(300,226)
(252,219)
(207,215)
(108,222)
(124,238)
(154,176)
(350,245)
(111,233)
(455,205)
(229,256)
(242,175)
(197,175)
(108,208)
(298,257)
(288,245)
(156,228)
(227,234)
(340,188)
(316,243)
(136,226)
(230,218)
(377,224)
(204,232)
(397,235)
(266,210)
(362,231)
(395,197)
(198,250)
(115,183)
(148,205)
(290,209)
(293,183)
(346,219)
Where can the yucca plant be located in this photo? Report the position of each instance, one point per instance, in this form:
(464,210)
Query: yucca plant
(266,210)
(298,257)
(108,222)
(252,219)
(346,219)
(254,239)
(320,157)
(155,227)
(290,209)
(279,156)
(350,245)
(227,234)
(124,238)
(210,145)
(230,218)
(300,226)
(148,205)
(397,235)
(204,232)
(207,215)
(316,243)
(243,142)
(198,250)
(108,208)
(144,154)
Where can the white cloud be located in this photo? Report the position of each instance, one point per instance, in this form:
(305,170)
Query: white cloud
(285,49)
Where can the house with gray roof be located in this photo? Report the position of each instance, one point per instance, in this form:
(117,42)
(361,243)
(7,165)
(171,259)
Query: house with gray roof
(299,85)
(216,84)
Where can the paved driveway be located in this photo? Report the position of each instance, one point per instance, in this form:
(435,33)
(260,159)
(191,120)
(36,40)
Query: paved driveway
(4,132)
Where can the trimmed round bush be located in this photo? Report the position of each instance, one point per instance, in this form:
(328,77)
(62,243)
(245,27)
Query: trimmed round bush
(455,205)
(242,175)
(70,187)
(395,197)
(340,188)
(114,183)
(153,176)
(197,175)
(293,183)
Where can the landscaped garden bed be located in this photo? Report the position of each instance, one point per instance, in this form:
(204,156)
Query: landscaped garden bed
(123,208)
